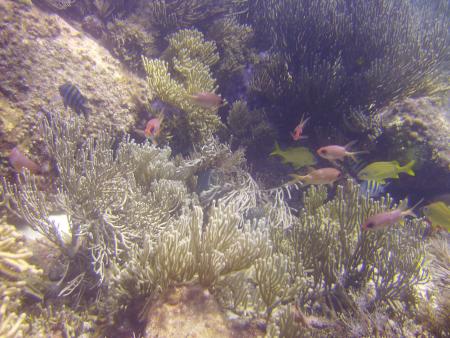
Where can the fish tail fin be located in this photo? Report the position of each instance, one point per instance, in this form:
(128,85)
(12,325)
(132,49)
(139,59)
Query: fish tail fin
(277,149)
(408,168)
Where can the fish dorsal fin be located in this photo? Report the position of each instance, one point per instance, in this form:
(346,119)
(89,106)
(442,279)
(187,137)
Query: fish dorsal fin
(403,205)
(277,149)
(350,144)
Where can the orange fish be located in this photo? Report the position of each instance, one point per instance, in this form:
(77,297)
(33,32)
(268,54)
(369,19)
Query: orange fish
(153,128)
(207,100)
(19,161)
(319,176)
(335,152)
(297,133)
(384,219)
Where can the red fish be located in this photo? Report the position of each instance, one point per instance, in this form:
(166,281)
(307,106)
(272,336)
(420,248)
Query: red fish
(207,100)
(335,152)
(388,218)
(319,176)
(297,133)
(153,128)
(20,161)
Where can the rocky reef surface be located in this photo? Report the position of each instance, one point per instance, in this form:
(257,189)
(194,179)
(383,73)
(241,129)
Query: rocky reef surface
(41,51)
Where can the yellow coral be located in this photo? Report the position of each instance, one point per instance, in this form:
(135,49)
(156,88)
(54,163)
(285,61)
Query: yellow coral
(189,56)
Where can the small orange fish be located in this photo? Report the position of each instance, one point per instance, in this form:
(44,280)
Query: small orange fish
(297,133)
(207,100)
(153,128)
(335,152)
(384,219)
(319,176)
(19,161)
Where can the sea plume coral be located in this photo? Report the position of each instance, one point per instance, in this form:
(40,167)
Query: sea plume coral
(99,191)
(327,239)
(138,226)
(348,54)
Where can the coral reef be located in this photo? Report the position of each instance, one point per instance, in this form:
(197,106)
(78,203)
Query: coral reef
(94,192)
(15,275)
(250,129)
(48,53)
(350,54)
(342,261)
(434,307)
(137,229)
(418,129)
(129,43)
(171,15)
(233,43)
(185,72)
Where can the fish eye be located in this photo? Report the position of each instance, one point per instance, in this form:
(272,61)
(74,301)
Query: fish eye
(323,151)
(370,225)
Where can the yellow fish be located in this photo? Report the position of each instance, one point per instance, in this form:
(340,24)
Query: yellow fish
(438,213)
(379,171)
(299,156)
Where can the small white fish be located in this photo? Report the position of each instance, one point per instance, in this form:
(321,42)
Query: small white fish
(335,152)
(207,100)
(388,218)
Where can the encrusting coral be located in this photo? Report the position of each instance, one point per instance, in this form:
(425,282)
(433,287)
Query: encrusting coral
(186,72)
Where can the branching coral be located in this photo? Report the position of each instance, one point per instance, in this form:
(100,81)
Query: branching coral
(14,273)
(128,42)
(433,310)
(348,54)
(250,129)
(233,41)
(328,241)
(62,321)
(101,193)
(170,15)
(191,251)
(186,73)
(136,228)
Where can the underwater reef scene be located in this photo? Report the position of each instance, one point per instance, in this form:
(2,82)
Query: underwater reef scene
(224,168)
